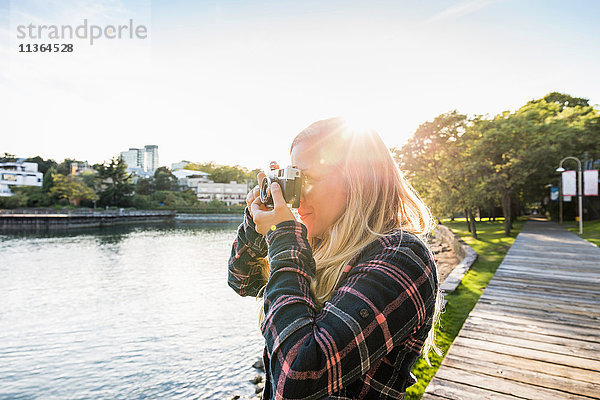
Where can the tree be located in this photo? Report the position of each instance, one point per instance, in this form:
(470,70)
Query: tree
(435,161)
(563,100)
(165,180)
(116,182)
(226,173)
(144,186)
(43,165)
(64,167)
(48,180)
(459,164)
(518,152)
(71,188)
(7,157)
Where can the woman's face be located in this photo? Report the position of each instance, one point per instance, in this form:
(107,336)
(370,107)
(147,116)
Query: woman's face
(325,190)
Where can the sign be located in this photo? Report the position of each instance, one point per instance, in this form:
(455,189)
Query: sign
(567,198)
(554,193)
(569,183)
(590,182)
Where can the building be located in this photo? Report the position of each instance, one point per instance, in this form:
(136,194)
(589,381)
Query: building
(151,157)
(141,162)
(230,193)
(78,168)
(189,179)
(134,158)
(18,173)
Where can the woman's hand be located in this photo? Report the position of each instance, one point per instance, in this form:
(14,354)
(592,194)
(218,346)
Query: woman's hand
(266,218)
(254,193)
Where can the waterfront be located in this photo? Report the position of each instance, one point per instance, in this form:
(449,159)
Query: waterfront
(124,312)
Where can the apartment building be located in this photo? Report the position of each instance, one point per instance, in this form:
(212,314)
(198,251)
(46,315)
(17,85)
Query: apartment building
(18,173)
(230,193)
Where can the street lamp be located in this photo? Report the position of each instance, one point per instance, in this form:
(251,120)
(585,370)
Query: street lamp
(579,191)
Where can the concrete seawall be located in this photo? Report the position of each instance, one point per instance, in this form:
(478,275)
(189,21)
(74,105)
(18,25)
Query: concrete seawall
(60,220)
(181,217)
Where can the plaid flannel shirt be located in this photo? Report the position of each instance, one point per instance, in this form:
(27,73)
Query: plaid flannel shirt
(365,340)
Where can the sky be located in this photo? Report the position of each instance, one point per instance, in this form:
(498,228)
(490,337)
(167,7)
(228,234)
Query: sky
(234,81)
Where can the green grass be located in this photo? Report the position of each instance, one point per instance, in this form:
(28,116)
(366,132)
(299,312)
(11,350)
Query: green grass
(591,230)
(491,248)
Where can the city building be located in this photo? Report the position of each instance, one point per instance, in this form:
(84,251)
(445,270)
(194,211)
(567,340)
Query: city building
(134,158)
(189,179)
(230,193)
(141,162)
(18,173)
(151,157)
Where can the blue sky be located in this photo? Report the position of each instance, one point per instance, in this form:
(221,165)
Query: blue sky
(234,81)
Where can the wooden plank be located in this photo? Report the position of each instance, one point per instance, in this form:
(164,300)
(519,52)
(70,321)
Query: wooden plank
(547,265)
(456,390)
(504,386)
(526,364)
(541,246)
(429,396)
(562,314)
(586,310)
(576,276)
(475,325)
(534,354)
(566,349)
(531,296)
(492,321)
(573,259)
(521,375)
(584,254)
(579,273)
(535,276)
(543,250)
(546,294)
(550,288)
(501,276)
(562,319)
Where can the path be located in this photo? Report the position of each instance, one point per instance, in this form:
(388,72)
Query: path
(535,332)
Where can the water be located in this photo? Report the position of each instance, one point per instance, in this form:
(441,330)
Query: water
(124,313)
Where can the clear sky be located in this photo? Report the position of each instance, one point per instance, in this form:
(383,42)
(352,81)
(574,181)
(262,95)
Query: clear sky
(234,81)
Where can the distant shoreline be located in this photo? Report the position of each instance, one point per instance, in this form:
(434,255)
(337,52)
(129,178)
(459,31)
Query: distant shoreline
(52,220)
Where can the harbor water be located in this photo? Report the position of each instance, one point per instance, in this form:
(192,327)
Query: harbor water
(124,313)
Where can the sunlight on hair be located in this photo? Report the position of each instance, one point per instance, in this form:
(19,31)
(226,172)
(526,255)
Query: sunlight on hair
(358,123)
(330,156)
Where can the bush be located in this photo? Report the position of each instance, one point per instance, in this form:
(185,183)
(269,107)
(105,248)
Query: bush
(35,196)
(15,201)
(142,201)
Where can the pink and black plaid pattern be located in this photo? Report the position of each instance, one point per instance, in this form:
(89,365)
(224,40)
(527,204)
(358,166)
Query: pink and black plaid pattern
(244,270)
(364,341)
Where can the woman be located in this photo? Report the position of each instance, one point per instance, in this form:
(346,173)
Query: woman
(351,293)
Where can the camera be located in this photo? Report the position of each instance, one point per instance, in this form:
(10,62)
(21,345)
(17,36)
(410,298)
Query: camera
(290,181)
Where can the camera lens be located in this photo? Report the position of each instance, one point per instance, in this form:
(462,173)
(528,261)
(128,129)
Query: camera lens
(265,191)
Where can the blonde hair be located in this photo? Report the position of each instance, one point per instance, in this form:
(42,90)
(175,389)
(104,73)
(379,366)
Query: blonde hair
(379,200)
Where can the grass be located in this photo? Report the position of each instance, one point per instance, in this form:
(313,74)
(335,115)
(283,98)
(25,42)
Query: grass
(591,230)
(491,248)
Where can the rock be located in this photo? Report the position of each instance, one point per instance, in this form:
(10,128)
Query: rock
(257,379)
(259,387)
(236,397)
(259,364)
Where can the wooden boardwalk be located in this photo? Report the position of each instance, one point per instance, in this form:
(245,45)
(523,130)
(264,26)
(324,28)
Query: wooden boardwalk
(535,332)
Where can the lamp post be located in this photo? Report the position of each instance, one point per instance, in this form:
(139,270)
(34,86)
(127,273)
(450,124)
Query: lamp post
(579,191)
